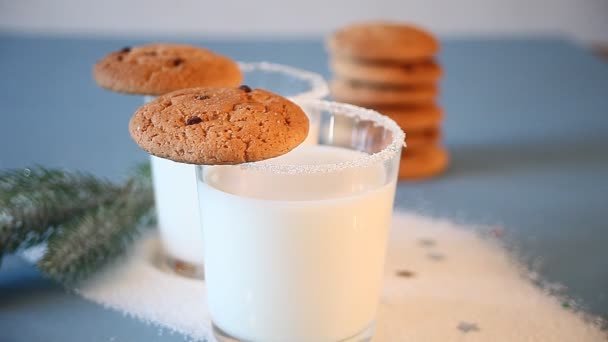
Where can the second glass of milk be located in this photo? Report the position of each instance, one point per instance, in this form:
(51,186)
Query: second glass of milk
(175,183)
(294,246)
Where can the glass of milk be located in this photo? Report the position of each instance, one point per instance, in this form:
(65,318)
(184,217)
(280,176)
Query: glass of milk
(175,183)
(294,246)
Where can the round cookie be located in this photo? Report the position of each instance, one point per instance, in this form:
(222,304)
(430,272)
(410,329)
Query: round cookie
(157,69)
(383,41)
(369,95)
(421,72)
(422,139)
(217,126)
(423,164)
(414,118)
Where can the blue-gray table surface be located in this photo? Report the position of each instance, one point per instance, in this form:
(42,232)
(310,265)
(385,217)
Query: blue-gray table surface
(526,125)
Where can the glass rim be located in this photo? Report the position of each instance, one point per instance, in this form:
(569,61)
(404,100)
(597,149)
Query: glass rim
(348,110)
(318,86)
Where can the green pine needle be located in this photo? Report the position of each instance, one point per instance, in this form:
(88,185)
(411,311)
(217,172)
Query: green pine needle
(87,243)
(35,201)
(85,221)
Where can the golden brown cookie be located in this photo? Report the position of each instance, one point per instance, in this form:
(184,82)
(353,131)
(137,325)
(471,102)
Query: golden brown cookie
(374,95)
(383,41)
(423,164)
(157,69)
(406,73)
(414,118)
(421,139)
(219,125)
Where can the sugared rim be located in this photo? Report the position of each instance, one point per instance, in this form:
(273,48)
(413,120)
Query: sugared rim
(318,86)
(390,151)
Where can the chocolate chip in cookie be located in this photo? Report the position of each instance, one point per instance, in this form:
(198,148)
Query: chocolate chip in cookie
(178,61)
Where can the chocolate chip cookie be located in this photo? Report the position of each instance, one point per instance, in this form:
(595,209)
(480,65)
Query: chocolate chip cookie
(219,125)
(160,68)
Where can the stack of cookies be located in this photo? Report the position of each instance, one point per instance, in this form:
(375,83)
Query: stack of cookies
(390,68)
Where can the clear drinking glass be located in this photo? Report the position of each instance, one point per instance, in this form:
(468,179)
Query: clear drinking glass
(175,183)
(295,245)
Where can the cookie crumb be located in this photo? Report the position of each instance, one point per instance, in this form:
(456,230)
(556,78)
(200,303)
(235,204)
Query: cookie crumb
(194,120)
(467,327)
(404,273)
(245,88)
(184,268)
(497,232)
(436,256)
(426,242)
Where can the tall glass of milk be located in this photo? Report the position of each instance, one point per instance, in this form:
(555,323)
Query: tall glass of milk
(294,246)
(175,183)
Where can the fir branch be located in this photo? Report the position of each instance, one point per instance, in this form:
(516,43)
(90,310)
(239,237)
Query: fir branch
(87,243)
(35,201)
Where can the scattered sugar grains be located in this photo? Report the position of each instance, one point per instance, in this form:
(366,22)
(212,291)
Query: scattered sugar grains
(472,292)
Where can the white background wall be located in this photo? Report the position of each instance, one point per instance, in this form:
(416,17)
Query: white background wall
(586,20)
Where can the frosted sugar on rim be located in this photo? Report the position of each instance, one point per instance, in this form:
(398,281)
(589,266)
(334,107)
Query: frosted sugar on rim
(347,110)
(318,86)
